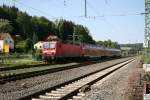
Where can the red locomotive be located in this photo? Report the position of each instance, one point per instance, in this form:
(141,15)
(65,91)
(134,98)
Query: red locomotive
(56,49)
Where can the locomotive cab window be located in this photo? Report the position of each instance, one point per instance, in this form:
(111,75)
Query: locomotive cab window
(52,45)
(49,45)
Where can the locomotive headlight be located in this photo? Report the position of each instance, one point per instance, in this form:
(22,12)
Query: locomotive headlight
(52,51)
(49,52)
(45,51)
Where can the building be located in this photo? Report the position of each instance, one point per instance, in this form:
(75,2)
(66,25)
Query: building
(38,45)
(126,51)
(6,42)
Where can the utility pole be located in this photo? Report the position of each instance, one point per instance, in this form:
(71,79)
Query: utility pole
(85,9)
(73,37)
(147,22)
(14,3)
(64,2)
(147,28)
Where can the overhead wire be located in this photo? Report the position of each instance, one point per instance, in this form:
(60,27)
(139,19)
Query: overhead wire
(116,15)
(34,8)
(106,2)
(101,16)
(89,17)
(93,8)
(43,12)
(64,2)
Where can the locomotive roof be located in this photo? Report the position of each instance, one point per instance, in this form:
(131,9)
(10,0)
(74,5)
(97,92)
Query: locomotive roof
(53,38)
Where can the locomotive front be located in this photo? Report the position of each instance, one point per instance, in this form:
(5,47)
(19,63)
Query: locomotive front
(49,50)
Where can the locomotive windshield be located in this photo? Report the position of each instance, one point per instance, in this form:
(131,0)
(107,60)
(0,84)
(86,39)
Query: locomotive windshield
(49,45)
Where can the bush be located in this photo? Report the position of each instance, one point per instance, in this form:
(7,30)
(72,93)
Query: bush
(38,54)
(23,46)
(147,56)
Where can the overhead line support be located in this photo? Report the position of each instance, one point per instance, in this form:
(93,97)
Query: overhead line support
(85,9)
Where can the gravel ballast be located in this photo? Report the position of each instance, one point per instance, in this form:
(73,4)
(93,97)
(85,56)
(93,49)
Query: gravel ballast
(24,87)
(116,86)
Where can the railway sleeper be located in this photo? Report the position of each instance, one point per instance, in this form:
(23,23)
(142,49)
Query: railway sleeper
(54,94)
(48,97)
(83,85)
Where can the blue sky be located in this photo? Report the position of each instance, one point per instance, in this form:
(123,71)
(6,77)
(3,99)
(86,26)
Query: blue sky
(111,25)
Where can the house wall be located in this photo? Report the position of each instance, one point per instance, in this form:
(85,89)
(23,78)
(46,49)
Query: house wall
(8,40)
(38,45)
(1,45)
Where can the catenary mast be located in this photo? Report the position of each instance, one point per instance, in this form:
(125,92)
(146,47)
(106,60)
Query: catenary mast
(147,23)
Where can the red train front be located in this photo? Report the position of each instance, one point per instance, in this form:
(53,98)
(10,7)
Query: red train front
(56,49)
(49,50)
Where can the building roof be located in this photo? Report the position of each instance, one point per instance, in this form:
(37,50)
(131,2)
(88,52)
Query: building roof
(4,35)
(126,48)
(39,42)
(52,38)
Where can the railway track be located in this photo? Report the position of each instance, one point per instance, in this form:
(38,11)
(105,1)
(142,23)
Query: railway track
(10,76)
(70,90)
(44,64)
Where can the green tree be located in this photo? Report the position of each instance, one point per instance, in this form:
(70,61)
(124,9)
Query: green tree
(42,27)
(27,26)
(108,44)
(10,13)
(5,26)
(83,34)
(100,43)
(24,22)
(115,45)
(34,39)
(24,45)
(65,29)
(20,46)
(3,13)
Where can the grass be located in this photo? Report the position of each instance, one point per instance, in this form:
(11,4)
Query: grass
(147,59)
(146,56)
(28,70)
(19,62)
(13,60)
